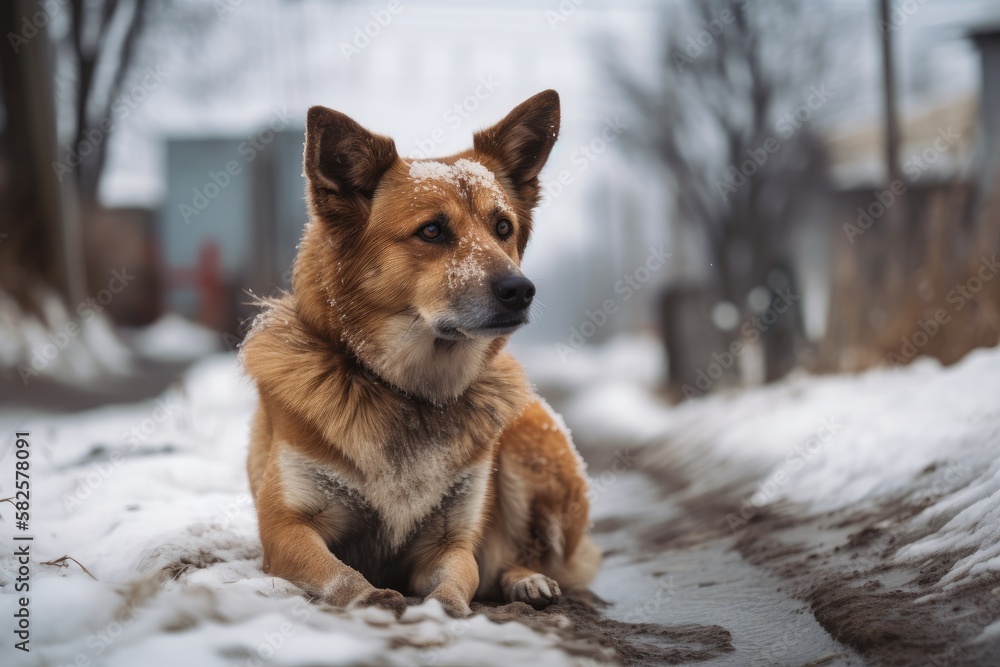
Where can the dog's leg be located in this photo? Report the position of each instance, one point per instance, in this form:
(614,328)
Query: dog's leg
(294,550)
(537,536)
(444,562)
(451,578)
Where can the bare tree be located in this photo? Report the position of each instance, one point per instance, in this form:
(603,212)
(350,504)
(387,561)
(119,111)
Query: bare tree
(99,47)
(730,116)
(90,46)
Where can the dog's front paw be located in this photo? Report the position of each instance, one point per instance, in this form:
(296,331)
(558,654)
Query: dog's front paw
(350,590)
(537,590)
(452,601)
(386,598)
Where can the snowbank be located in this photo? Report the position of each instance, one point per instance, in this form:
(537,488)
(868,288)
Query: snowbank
(173,338)
(72,348)
(833,442)
(152,499)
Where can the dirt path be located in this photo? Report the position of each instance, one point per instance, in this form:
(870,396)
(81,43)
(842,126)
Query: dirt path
(734,612)
(787,587)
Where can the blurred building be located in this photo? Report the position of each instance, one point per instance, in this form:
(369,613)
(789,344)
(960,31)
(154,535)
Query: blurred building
(949,161)
(230,221)
(434,76)
(122,242)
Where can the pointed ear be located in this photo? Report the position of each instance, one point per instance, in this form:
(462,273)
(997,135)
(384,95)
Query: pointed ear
(522,141)
(342,157)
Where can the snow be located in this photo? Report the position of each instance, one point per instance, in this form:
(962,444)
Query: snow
(638,360)
(173,338)
(833,442)
(610,387)
(152,498)
(466,171)
(430,170)
(73,348)
(853,438)
(469,269)
(618,411)
(476,175)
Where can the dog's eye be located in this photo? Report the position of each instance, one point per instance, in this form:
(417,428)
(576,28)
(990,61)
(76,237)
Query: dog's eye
(504,228)
(430,232)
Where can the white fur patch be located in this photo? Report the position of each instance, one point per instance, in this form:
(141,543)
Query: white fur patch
(410,360)
(298,482)
(402,495)
(515,501)
(470,513)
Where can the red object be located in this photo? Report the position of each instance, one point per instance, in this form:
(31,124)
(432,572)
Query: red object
(205,278)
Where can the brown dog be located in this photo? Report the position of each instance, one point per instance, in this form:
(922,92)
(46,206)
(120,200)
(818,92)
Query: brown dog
(397,448)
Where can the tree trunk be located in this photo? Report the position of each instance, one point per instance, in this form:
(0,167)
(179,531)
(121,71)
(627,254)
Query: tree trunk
(43,244)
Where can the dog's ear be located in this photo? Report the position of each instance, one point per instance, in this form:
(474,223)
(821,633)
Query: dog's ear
(522,141)
(343,158)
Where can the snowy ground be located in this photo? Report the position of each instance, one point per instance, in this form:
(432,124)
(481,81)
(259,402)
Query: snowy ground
(836,520)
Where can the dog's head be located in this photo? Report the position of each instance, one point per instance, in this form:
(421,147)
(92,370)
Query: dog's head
(415,264)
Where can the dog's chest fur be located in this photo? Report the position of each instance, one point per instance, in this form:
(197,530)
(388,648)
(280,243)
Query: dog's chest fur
(391,497)
(425,480)
(380,473)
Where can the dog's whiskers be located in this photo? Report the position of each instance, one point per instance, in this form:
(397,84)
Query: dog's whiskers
(535,308)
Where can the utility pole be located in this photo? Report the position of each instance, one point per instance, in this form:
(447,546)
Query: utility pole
(895,215)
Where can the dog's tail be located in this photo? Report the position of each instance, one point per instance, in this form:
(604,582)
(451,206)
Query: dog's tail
(576,570)
(581,566)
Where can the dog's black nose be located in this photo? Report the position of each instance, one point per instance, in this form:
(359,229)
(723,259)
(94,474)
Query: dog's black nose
(514,292)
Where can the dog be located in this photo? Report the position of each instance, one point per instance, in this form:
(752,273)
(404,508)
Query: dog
(397,449)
